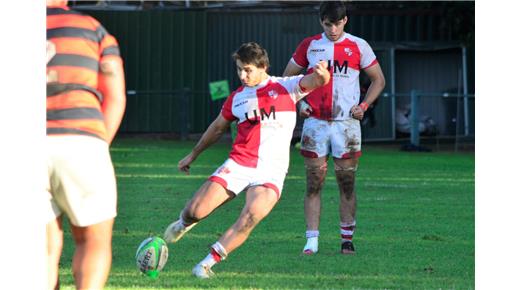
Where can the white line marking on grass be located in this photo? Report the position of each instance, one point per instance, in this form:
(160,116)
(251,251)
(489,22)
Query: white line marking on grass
(397,179)
(155,165)
(161,176)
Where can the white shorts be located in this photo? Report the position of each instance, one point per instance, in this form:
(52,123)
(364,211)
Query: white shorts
(236,178)
(341,139)
(81,182)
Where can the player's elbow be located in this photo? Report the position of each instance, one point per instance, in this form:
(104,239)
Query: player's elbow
(218,128)
(382,81)
(379,80)
(286,72)
(113,93)
(120,100)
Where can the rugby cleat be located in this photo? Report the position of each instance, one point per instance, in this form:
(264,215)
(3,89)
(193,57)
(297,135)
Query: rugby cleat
(175,231)
(202,271)
(347,248)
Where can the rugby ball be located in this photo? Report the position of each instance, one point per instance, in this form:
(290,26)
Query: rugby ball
(151,256)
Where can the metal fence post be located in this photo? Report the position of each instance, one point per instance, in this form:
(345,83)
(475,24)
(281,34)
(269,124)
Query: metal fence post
(465,90)
(414,130)
(184,118)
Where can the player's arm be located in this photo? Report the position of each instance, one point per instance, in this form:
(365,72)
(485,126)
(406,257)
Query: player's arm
(319,77)
(377,85)
(111,84)
(219,126)
(292,69)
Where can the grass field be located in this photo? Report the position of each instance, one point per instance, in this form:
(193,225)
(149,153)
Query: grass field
(415,224)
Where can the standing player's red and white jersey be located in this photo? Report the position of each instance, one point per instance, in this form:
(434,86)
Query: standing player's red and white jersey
(266,116)
(345,58)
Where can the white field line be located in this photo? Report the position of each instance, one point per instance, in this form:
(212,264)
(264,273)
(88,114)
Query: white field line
(366,180)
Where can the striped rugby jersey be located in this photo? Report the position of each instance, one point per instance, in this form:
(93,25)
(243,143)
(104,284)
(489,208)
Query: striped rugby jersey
(73,98)
(266,116)
(345,58)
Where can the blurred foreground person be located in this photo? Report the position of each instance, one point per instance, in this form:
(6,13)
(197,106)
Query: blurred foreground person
(85,104)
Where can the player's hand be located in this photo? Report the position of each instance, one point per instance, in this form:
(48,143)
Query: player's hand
(357,113)
(52,75)
(321,70)
(305,110)
(51,50)
(305,113)
(184,164)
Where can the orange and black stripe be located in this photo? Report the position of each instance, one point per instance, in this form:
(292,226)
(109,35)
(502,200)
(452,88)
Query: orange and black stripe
(73,99)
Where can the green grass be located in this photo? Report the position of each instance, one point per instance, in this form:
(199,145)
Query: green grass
(415,224)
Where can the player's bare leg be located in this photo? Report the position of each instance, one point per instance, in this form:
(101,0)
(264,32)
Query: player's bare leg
(345,175)
(54,248)
(316,169)
(260,201)
(93,254)
(210,196)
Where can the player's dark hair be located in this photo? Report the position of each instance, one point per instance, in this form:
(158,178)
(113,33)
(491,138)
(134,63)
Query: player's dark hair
(332,10)
(252,53)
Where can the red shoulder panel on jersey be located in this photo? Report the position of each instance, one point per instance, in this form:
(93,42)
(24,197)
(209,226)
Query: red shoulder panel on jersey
(300,55)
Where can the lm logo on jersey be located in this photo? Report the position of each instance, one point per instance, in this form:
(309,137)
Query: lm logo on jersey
(337,67)
(263,115)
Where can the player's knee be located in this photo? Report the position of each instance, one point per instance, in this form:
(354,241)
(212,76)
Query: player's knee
(346,178)
(193,213)
(315,178)
(96,235)
(351,167)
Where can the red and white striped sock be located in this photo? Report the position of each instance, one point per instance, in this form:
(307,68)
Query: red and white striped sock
(212,258)
(215,256)
(347,231)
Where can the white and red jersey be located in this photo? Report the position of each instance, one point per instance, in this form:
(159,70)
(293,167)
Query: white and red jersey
(266,116)
(345,58)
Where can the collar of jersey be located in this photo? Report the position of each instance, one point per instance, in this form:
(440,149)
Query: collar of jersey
(261,84)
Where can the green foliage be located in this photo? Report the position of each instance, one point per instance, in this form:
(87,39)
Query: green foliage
(415,222)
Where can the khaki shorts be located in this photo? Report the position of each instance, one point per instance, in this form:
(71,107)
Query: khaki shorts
(341,139)
(81,182)
(236,178)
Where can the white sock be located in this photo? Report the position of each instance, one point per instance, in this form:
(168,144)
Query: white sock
(312,244)
(312,234)
(209,261)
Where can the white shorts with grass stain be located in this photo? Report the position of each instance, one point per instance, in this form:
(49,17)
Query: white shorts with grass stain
(341,139)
